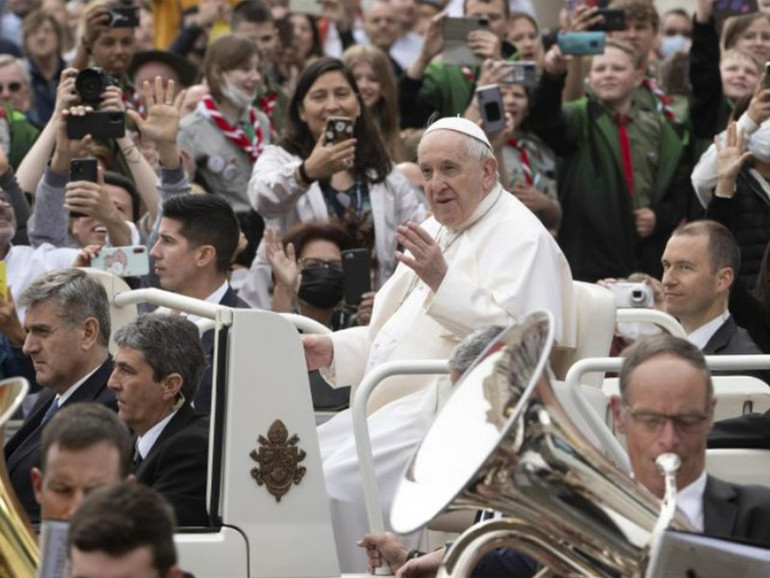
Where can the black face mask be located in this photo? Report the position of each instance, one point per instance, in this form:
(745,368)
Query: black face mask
(321,287)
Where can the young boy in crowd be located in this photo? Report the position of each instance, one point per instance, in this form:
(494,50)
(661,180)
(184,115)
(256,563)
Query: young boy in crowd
(622,183)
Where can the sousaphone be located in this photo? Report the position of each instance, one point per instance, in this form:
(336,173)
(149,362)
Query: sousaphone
(504,442)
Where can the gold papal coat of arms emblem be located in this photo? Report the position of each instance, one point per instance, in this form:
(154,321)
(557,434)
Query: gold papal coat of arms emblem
(278,457)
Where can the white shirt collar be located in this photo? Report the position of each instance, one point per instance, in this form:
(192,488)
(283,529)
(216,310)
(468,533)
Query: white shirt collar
(689,501)
(144,443)
(214,298)
(701,336)
(60,399)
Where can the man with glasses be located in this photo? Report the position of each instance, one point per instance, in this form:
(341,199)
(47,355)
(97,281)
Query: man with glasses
(666,404)
(197,240)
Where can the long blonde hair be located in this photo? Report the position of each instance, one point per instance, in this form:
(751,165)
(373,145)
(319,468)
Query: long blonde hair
(385,110)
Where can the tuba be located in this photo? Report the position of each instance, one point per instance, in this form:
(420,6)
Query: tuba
(19,552)
(504,442)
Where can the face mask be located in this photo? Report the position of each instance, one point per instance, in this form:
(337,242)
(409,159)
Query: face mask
(759,143)
(672,44)
(235,95)
(321,287)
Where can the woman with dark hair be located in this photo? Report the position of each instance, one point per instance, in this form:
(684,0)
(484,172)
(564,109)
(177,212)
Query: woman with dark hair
(352,182)
(307,39)
(226,133)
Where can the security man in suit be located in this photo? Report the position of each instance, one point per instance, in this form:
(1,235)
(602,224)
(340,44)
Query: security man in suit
(158,366)
(700,264)
(68,330)
(197,241)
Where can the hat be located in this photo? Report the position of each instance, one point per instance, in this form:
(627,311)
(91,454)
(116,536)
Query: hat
(462,125)
(186,70)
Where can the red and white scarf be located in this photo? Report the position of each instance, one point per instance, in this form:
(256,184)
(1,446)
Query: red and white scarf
(253,148)
(132,99)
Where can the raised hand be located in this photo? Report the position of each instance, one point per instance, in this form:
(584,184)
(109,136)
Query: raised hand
(730,158)
(283,262)
(326,160)
(426,258)
(164,111)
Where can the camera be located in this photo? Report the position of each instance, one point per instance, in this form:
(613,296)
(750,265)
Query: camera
(124,17)
(628,295)
(91,83)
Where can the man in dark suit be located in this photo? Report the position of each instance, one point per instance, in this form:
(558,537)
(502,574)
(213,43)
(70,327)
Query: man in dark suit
(666,405)
(68,330)
(699,266)
(158,365)
(197,241)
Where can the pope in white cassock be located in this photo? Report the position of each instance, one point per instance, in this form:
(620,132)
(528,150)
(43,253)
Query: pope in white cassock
(482,259)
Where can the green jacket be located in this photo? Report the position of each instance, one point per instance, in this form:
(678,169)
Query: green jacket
(22,132)
(598,232)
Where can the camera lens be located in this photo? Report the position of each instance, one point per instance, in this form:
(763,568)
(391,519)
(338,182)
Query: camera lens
(90,83)
(637,296)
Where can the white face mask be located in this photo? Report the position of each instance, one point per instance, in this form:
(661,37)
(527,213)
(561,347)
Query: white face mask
(235,95)
(677,43)
(759,143)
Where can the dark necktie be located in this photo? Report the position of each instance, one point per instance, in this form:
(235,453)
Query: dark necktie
(625,151)
(136,460)
(52,409)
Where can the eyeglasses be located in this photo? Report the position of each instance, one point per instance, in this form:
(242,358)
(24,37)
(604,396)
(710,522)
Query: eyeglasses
(12,87)
(654,422)
(310,263)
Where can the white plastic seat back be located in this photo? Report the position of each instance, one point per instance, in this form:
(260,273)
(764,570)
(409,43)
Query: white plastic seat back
(740,466)
(595,328)
(736,395)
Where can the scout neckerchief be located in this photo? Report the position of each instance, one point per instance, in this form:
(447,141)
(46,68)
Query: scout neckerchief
(252,147)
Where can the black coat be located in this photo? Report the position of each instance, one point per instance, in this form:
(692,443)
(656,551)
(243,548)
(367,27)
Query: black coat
(203,398)
(177,466)
(736,511)
(22,452)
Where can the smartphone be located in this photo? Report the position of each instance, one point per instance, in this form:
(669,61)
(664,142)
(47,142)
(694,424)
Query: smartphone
(356,273)
(310,7)
(767,75)
(83,170)
(124,17)
(131,261)
(338,129)
(455,33)
(614,20)
(581,43)
(491,107)
(521,72)
(100,124)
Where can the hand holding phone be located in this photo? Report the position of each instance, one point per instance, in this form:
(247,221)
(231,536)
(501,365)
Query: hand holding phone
(490,100)
(356,274)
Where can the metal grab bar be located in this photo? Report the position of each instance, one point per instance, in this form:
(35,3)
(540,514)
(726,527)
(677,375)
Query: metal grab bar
(659,318)
(602,364)
(173,301)
(305,323)
(361,428)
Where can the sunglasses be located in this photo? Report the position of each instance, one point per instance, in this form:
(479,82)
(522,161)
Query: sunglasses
(12,87)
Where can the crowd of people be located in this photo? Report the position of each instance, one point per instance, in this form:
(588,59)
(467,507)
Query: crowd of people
(253,151)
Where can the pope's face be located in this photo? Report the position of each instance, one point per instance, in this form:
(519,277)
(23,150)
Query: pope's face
(454,182)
